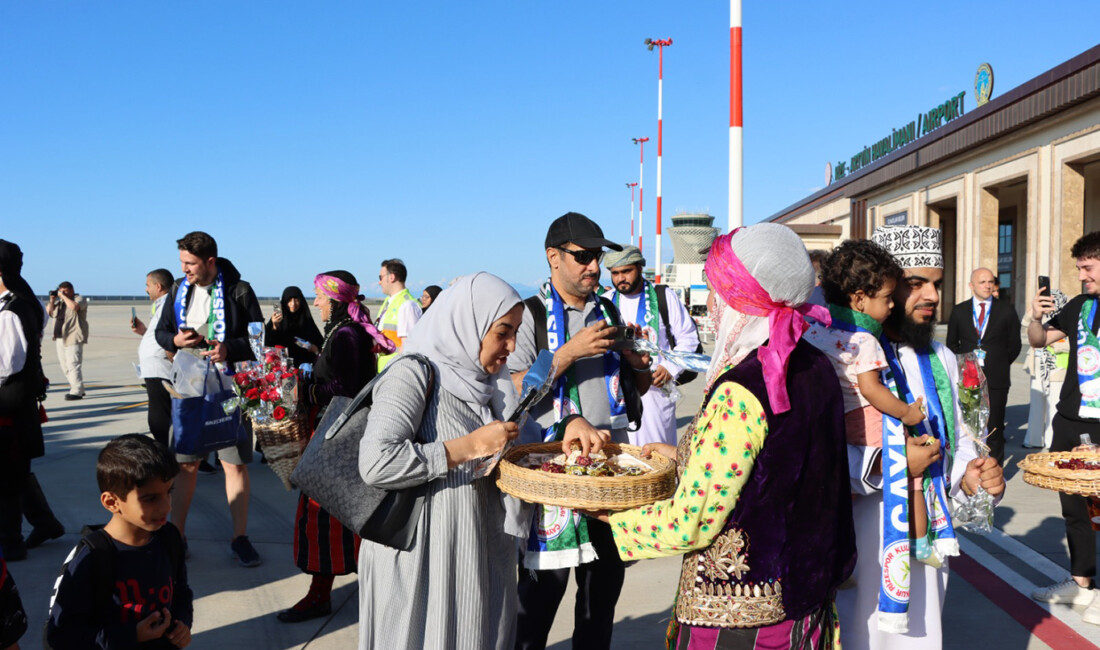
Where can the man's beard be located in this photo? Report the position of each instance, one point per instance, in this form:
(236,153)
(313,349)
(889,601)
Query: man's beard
(632,289)
(918,335)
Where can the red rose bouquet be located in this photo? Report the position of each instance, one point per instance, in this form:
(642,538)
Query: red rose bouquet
(976,515)
(266,390)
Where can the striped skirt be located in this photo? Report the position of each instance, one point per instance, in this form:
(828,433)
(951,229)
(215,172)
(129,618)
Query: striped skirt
(321,543)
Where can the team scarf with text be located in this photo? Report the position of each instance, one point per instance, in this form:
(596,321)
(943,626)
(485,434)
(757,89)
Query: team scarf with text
(559,536)
(1088,362)
(216,320)
(648,312)
(895,553)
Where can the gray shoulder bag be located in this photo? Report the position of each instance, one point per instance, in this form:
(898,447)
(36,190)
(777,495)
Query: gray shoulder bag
(328,472)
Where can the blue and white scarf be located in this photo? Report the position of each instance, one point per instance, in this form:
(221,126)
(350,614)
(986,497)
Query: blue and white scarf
(217,307)
(897,548)
(1088,362)
(559,536)
(893,602)
(566,390)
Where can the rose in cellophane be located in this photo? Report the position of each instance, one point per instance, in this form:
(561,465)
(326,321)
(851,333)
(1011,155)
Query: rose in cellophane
(266,390)
(976,514)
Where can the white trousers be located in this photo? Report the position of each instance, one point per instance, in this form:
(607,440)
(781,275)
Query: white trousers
(1040,414)
(71,358)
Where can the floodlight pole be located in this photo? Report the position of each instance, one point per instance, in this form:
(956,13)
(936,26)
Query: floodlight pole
(660,45)
(632,186)
(641,190)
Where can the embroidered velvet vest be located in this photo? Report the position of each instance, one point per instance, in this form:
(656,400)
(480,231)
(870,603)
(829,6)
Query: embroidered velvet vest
(790,540)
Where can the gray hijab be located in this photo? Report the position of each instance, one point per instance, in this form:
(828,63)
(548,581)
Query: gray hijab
(450,335)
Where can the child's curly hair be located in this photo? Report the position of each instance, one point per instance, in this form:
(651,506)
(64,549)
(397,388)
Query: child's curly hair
(857,265)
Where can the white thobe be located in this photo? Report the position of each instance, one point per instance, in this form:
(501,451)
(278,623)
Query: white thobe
(858,605)
(658,411)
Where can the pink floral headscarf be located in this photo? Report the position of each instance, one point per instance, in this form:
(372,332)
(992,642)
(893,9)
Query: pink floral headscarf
(336,289)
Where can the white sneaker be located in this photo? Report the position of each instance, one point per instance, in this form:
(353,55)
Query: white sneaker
(1092,612)
(1067,591)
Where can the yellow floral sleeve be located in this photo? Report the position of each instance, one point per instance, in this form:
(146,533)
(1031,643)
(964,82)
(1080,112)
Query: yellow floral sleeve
(727,438)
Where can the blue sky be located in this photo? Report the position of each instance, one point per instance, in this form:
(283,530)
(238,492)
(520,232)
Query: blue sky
(312,136)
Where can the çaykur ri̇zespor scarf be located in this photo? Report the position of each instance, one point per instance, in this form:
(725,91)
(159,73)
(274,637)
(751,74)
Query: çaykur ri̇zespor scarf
(939,542)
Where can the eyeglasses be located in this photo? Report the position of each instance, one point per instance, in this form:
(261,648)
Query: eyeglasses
(583,257)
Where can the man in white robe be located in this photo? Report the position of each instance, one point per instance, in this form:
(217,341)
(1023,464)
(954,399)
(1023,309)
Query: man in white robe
(631,296)
(918,250)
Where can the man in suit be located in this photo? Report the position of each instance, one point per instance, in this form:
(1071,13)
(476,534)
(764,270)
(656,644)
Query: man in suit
(990,328)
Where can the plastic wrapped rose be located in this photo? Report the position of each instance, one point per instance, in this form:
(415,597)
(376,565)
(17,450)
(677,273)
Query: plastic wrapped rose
(976,515)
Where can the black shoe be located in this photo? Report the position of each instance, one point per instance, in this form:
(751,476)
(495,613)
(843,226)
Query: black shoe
(42,535)
(70,397)
(298,615)
(206,468)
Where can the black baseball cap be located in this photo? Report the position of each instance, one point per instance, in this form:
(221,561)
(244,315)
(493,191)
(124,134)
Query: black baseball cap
(579,229)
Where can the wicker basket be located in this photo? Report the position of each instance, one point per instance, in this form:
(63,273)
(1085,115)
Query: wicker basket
(586,492)
(1039,470)
(282,444)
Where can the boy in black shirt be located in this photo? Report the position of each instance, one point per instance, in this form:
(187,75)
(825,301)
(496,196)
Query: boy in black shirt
(145,601)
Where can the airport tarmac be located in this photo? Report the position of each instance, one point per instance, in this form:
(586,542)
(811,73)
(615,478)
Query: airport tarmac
(987,604)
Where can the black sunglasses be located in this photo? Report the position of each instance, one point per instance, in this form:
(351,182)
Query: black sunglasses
(583,257)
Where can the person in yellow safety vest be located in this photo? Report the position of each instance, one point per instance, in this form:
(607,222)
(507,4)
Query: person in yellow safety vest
(400,311)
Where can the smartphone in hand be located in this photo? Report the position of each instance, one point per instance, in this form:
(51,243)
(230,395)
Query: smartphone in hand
(133,316)
(1044,285)
(623,339)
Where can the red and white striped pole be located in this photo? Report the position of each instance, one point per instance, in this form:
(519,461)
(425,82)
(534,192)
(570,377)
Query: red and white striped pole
(641,189)
(632,186)
(660,45)
(736,185)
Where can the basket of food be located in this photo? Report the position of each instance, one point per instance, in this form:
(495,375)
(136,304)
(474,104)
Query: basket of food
(615,478)
(1072,472)
(282,443)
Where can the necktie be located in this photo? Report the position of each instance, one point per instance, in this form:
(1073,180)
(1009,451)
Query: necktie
(981,318)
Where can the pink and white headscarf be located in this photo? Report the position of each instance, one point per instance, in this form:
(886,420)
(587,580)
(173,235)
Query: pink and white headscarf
(763,276)
(336,289)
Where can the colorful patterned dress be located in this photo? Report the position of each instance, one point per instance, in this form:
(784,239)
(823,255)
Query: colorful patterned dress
(717,456)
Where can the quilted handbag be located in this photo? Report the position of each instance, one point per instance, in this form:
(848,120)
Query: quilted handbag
(328,472)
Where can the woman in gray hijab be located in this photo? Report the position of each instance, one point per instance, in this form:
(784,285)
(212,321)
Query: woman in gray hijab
(456,586)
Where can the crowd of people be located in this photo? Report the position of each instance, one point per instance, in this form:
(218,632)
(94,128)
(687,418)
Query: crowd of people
(815,483)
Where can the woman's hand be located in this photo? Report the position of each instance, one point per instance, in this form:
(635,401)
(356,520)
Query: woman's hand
(276,318)
(668,451)
(479,443)
(590,438)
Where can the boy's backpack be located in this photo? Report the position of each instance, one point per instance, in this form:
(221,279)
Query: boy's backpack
(102,554)
(662,307)
(633,400)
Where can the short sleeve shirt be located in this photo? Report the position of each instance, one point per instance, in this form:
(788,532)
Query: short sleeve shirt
(851,353)
(589,372)
(1069,402)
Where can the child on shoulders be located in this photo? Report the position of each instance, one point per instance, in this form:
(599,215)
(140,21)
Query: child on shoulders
(144,601)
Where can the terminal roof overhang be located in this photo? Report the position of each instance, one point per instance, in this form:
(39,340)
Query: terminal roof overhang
(1053,91)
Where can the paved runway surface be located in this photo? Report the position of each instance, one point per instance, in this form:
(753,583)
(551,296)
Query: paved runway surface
(235,607)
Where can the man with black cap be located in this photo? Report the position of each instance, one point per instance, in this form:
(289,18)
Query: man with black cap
(594,381)
(21,386)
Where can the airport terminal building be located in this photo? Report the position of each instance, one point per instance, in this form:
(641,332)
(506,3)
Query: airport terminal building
(1013,182)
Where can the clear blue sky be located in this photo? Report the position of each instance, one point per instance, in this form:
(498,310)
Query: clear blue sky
(312,136)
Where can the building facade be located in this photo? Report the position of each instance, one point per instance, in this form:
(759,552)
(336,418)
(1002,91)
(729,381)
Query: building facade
(1012,184)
